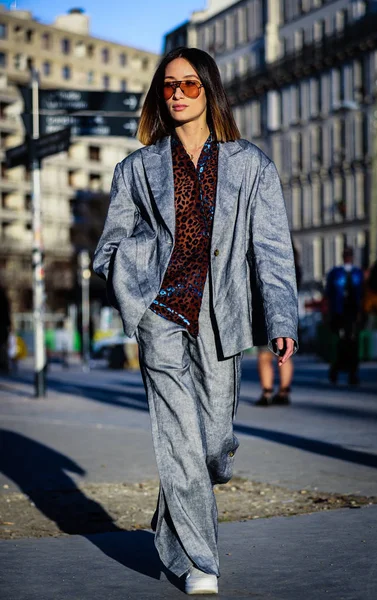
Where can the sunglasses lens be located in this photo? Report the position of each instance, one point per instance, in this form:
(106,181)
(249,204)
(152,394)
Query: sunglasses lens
(190,89)
(168,91)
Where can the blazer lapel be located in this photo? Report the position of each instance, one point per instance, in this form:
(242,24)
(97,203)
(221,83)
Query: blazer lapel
(158,165)
(229,180)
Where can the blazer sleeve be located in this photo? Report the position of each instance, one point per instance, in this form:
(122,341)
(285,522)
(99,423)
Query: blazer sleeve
(120,223)
(273,258)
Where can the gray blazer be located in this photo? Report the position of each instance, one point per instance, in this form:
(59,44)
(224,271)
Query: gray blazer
(252,270)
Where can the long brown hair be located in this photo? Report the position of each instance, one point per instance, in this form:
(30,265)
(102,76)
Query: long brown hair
(156,122)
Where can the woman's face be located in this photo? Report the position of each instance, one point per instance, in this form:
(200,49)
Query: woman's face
(182,108)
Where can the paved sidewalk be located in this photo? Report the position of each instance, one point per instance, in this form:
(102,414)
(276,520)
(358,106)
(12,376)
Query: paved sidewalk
(329,555)
(94,428)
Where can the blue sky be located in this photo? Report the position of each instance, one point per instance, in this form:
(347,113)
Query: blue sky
(139,23)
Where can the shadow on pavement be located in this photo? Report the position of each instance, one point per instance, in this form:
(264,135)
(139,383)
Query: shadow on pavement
(106,394)
(39,472)
(137,401)
(320,407)
(309,445)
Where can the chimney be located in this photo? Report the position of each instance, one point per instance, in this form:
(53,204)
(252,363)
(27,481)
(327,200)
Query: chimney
(75,21)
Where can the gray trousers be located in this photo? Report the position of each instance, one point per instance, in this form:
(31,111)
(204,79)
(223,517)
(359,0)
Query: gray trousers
(193,397)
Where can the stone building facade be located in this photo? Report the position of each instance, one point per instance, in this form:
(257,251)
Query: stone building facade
(67,57)
(302,79)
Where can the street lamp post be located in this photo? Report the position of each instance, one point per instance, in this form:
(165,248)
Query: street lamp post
(37,256)
(373,198)
(84,264)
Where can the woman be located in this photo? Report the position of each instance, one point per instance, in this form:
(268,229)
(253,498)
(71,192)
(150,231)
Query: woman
(193,216)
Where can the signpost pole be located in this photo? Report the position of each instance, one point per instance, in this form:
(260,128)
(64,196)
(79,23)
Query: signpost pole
(373,199)
(37,256)
(84,264)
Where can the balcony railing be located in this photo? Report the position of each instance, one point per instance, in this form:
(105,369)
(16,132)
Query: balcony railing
(357,38)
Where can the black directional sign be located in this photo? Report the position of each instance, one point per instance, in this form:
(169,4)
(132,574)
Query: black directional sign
(19,155)
(52,143)
(85,125)
(44,146)
(83,100)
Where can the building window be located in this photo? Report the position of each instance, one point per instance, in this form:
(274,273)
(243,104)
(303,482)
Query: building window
(3,60)
(273,110)
(95,181)
(90,78)
(317,259)
(123,59)
(106,82)
(307,206)
(66,72)
(105,55)
(229,32)
(46,41)
(80,49)
(296,207)
(66,46)
(46,68)
(145,64)
(29,34)
(319,29)
(335,88)
(90,51)
(299,39)
(242,25)
(360,194)
(20,62)
(94,153)
(219,33)
(123,85)
(316,203)
(3,31)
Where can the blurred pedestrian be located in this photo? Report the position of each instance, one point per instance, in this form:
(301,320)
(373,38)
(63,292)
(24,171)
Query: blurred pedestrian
(266,368)
(131,351)
(12,351)
(191,215)
(62,343)
(344,292)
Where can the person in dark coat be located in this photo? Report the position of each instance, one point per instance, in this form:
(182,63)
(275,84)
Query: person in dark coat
(344,292)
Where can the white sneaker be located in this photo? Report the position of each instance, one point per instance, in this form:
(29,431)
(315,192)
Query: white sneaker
(197,582)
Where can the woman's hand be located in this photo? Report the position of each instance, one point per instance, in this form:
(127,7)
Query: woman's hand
(285,348)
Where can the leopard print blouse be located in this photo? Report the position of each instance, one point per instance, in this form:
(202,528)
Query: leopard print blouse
(180,296)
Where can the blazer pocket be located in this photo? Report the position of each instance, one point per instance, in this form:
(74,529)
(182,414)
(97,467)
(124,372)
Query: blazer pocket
(109,282)
(124,278)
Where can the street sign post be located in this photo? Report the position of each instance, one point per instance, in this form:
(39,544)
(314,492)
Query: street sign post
(85,125)
(83,100)
(37,255)
(85,273)
(45,145)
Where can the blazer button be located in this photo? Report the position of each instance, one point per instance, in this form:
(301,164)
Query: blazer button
(216,252)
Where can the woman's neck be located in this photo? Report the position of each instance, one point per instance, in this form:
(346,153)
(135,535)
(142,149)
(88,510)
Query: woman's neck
(192,135)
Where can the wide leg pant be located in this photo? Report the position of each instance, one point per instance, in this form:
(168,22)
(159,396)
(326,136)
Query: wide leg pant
(192,398)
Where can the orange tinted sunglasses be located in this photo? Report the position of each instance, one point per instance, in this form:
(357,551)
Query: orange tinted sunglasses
(191,89)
